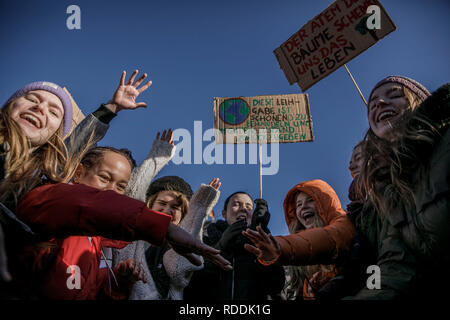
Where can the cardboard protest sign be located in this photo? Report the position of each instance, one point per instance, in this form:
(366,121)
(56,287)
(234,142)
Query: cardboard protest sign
(252,119)
(329,40)
(77,114)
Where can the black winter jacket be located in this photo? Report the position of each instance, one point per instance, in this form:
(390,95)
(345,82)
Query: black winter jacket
(249,280)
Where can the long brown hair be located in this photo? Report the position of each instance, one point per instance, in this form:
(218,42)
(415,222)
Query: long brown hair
(25,166)
(387,166)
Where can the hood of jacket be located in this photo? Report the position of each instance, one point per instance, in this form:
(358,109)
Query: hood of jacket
(325,198)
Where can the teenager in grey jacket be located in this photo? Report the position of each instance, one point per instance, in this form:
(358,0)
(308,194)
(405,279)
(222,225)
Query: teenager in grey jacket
(178,268)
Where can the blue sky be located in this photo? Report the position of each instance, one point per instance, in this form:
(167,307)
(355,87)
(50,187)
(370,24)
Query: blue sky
(196,50)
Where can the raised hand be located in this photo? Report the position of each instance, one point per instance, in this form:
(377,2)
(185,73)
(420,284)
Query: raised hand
(266,248)
(215,183)
(130,271)
(166,136)
(126,94)
(261,215)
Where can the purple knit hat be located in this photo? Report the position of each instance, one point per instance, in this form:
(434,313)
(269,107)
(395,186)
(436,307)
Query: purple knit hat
(56,90)
(411,84)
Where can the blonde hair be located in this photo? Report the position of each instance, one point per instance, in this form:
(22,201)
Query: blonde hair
(181,198)
(296,275)
(25,166)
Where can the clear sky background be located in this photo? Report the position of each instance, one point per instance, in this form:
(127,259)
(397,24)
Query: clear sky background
(196,50)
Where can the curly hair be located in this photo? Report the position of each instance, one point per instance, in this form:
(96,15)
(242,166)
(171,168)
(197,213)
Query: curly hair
(93,156)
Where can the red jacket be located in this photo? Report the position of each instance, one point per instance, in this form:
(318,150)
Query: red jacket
(79,252)
(66,214)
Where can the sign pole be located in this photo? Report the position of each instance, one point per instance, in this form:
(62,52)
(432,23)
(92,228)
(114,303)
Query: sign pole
(354,82)
(260,172)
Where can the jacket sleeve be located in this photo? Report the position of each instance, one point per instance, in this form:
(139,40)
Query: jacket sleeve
(397,269)
(95,124)
(317,245)
(140,179)
(433,204)
(178,268)
(61,210)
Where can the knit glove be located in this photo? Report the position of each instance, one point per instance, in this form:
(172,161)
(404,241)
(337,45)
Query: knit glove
(160,154)
(261,215)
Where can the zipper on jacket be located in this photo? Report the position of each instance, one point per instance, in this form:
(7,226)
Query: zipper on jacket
(108,267)
(110,270)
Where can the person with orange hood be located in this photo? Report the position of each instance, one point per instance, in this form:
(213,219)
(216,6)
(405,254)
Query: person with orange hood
(321,235)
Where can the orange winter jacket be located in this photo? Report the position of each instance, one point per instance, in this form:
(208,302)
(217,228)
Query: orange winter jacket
(316,245)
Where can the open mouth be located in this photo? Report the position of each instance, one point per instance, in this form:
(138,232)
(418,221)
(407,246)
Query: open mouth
(308,215)
(241,216)
(386,115)
(33,120)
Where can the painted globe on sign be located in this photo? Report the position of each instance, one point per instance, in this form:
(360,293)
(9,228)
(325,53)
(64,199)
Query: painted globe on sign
(234,111)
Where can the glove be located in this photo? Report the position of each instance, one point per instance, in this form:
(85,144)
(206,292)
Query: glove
(230,235)
(261,215)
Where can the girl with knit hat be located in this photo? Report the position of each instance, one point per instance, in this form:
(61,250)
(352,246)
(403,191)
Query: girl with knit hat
(169,272)
(320,233)
(38,208)
(405,175)
(33,123)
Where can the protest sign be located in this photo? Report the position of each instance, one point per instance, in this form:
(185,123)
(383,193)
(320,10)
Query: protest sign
(331,39)
(252,119)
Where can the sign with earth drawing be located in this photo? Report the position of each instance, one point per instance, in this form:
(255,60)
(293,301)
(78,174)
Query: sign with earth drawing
(331,39)
(263,119)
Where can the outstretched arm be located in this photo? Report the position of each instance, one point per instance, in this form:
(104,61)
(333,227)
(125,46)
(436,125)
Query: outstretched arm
(89,211)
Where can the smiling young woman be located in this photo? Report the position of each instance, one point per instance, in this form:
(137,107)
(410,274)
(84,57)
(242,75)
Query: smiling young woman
(320,234)
(32,124)
(405,177)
